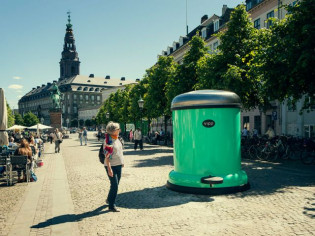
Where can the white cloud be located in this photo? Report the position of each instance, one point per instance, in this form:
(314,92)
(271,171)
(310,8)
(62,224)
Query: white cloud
(17,77)
(15,86)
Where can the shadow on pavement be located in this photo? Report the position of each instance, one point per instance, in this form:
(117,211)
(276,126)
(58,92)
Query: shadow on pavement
(309,209)
(71,218)
(145,152)
(269,178)
(159,161)
(157,197)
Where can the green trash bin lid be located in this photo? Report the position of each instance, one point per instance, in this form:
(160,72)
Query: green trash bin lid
(206,99)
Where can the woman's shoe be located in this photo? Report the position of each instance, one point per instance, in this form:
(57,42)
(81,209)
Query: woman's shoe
(113,209)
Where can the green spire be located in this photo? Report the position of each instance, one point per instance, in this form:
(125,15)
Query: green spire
(69,26)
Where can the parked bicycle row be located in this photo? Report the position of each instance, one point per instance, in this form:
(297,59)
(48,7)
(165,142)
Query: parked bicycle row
(279,147)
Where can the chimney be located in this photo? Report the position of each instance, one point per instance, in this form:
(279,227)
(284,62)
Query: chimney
(224,9)
(137,80)
(204,18)
(55,81)
(91,76)
(48,84)
(33,88)
(38,87)
(123,79)
(43,85)
(107,77)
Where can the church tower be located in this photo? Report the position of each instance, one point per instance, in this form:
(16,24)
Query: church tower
(69,63)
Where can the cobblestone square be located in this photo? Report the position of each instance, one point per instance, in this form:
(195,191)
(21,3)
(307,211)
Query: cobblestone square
(280,202)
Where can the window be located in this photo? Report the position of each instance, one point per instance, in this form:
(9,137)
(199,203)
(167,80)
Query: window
(86,97)
(68,96)
(92,97)
(216,25)
(246,122)
(270,15)
(69,109)
(309,131)
(257,23)
(75,110)
(98,98)
(257,123)
(215,45)
(81,97)
(73,70)
(204,32)
(248,5)
(74,96)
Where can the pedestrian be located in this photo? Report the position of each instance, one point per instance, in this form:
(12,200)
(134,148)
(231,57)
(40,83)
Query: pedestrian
(130,135)
(99,134)
(57,137)
(51,137)
(270,132)
(85,135)
(81,136)
(114,161)
(138,139)
(245,132)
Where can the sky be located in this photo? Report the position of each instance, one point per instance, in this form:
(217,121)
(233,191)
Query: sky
(120,38)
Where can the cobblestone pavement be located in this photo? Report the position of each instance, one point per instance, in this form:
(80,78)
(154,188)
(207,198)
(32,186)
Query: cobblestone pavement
(281,200)
(9,198)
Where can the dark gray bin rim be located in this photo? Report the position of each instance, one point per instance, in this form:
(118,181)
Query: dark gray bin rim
(206,99)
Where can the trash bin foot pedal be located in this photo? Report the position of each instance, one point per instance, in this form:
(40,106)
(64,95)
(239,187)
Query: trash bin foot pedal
(211,180)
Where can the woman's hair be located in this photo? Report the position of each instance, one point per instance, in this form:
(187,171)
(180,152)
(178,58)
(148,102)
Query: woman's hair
(111,127)
(24,143)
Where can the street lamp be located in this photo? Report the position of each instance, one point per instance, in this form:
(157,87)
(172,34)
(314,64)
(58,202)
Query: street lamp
(141,103)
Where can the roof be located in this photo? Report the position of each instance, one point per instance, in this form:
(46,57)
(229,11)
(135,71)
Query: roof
(80,83)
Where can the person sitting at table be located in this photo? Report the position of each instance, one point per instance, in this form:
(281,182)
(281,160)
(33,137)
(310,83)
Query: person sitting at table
(38,144)
(33,145)
(23,150)
(12,143)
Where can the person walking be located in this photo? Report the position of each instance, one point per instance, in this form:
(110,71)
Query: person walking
(114,161)
(138,139)
(81,136)
(85,135)
(57,137)
(130,135)
(99,134)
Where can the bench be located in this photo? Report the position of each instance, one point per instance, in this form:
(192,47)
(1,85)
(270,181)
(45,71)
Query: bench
(21,162)
(4,162)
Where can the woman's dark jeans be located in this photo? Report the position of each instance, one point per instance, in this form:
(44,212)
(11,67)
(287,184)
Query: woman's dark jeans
(114,181)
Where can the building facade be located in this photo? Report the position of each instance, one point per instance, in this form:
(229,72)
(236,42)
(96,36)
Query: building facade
(79,92)
(283,118)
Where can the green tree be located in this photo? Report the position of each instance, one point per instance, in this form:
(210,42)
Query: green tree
(157,76)
(231,68)
(10,116)
(81,122)
(30,119)
(186,78)
(18,119)
(135,93)
(74,123)
(88,122)
(289,59)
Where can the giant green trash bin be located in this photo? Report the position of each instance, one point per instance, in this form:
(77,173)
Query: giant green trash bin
(207,143)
